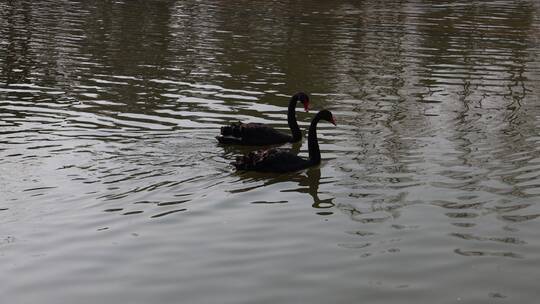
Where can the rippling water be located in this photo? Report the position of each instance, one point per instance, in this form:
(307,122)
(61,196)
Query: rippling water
(115,190)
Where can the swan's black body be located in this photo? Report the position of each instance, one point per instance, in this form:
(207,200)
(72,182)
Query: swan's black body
(257,134)
(279,160)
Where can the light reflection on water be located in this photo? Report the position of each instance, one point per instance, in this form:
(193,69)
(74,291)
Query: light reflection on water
(115,189)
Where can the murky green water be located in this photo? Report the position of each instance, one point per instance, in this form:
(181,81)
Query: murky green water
(114,190)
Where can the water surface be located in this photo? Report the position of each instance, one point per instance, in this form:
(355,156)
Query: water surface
(115,190)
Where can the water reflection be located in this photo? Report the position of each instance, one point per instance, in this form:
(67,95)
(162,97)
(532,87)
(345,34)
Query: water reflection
(308,182)
(313,181)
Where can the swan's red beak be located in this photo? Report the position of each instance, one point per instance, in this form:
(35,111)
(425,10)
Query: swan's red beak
(333,121)
(306,106)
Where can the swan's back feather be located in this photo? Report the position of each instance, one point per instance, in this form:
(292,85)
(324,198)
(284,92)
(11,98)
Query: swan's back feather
(251,134)
(272,160)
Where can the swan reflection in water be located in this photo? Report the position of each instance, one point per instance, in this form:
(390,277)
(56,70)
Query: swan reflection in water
(308,182)
(313,181)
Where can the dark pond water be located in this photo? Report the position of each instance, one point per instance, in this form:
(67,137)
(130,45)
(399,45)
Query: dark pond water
(114,189)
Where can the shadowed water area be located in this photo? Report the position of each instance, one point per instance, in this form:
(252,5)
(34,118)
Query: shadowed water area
(114,189)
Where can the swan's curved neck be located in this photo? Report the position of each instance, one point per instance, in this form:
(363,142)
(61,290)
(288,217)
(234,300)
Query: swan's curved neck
(291,119)
(313,143)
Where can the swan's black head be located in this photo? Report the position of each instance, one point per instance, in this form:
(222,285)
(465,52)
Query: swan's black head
(303,98)
(327,115)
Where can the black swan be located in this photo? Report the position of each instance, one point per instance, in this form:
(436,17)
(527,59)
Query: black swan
(279,160)
(257,134)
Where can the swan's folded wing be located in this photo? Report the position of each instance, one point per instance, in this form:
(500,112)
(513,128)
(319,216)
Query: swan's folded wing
(272,160)
(252,134)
